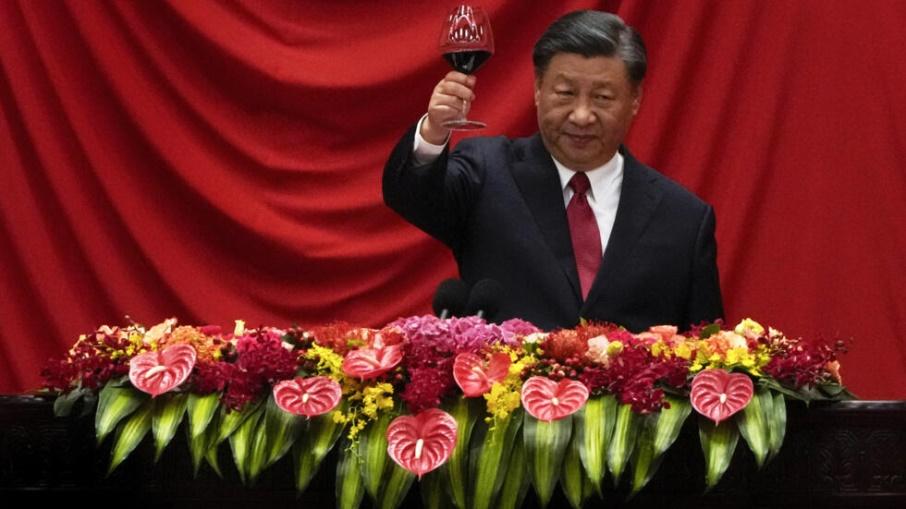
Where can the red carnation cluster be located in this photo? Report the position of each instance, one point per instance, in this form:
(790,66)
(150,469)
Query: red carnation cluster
(261,361)
(800,363)
(94,360)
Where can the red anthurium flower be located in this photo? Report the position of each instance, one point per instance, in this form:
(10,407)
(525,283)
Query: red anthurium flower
(312,396)
(366,363)
(475,377)
(423,442)
(547,400)
(162,371)
(718,395)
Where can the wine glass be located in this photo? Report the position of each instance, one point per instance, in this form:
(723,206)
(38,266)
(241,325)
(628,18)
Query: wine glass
(466,42)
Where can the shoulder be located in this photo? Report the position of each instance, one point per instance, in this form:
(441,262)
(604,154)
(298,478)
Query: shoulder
(672,192)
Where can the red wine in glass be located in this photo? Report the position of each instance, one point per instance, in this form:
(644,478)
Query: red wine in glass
(466,42)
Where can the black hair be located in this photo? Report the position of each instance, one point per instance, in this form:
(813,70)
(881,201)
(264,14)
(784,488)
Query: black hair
(592,34)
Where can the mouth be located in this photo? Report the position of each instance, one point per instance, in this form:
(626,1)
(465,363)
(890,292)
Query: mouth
(580,140)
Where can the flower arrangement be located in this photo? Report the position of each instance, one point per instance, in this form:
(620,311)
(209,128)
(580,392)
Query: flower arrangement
(475,411)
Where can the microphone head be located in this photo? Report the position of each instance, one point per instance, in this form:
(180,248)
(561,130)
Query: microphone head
(485,298)
(451,296)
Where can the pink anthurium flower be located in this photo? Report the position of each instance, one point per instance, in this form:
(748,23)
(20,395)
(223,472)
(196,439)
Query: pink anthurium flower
(718,394)
(367,363)
(162,371)
(423,442)
(475,376)
(547,400)
(312,396)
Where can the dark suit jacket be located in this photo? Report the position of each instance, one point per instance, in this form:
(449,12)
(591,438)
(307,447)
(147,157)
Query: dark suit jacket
(498,204)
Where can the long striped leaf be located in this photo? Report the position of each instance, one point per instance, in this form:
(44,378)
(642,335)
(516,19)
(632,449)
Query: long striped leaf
(466,412)
(490,448)
(396,484)
(243,439)
(516,484)
(670,422)
(350,488)
(130,434)
(169,410)
(203,429)
(718,444)
(753,425)
(644,460)
(211,456)
(659,431)
(204,445)
(373,454)
(258,448)
(201,409)
(318,437)
(625,432)
(282,429)
(777,422)
(545,445)
(594,428)
(431,488)
(573,479)
(115,403)
(230,420)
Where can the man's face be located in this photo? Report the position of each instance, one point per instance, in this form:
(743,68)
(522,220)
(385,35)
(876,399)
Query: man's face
(585,107)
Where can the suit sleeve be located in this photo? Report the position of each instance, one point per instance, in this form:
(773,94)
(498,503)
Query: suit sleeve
(437,197)
(705,302)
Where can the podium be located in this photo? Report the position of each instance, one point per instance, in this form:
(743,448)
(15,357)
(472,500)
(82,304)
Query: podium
(846,454)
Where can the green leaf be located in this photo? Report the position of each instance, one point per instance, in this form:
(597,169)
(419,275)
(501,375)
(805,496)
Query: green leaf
(489,450)
(62,405)
(777,423)
(396,484)
(201,409)
(130,434)
(258,448)
(466,412)
(516,483)
(282,429)
(625,432)
(659,432)
(573,478)
(431,487)
(718,444)
(545,446)
(203,429)
(594,429)
(169,410)
(318,437)
(230,420)
(373,454)
(350,487)
(244,439)
(115,404)
(709,331)
(205,444)
(752,422)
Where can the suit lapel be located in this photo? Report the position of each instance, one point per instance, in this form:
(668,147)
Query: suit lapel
(539,183)
(639,197)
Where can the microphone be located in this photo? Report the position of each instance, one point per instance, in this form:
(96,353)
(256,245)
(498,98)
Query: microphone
(450,298)
(484,299)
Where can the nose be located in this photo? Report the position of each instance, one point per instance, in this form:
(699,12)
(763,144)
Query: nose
(581,114)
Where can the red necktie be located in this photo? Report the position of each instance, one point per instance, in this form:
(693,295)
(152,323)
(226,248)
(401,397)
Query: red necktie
(584,232)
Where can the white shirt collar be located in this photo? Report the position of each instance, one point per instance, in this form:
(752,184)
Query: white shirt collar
(600,178)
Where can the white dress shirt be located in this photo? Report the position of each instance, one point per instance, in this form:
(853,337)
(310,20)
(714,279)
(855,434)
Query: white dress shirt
(603,197)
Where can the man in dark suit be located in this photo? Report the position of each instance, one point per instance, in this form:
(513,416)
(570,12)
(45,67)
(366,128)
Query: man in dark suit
(568,222)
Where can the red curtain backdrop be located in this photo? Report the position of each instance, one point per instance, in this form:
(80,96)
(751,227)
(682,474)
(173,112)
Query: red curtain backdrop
(221,160)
